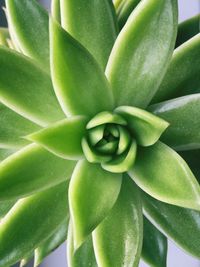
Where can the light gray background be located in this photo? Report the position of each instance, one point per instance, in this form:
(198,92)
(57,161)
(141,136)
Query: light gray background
(176,258)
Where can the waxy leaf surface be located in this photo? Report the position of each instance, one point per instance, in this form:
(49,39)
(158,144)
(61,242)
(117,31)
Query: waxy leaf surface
(79,83)
(182,77)
(175,184)
(30,170)
(183,115)
(63,138)
(28,22)
(91,23)
(92,193)
(118,239)
(24,86)
(154,250)
(55,10)
(179,224)
(30,222)
(139,58)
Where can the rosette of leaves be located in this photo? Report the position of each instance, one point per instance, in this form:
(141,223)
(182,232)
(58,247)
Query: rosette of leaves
(99,114)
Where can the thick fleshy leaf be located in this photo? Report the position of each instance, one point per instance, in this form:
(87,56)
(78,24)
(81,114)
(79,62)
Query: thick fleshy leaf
(118,239)
(192,157)
(51,243)
(183,115)
(28,22)
(163,174)
(179,224)
(139,58)
(123,162)
(30,222)
(154,250)
(30,170)
(92,194)
(124,11)
(5,206)
(117,3)
(182,77)
(24,87)
(84,256)
(4,36)
(79,83)
(4,153)
(55,10)
(13,127)
(92,24)
(145,127)
(187,29)
(63,138)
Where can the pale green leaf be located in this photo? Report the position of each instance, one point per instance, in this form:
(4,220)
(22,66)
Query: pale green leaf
(139,58)
(183,115)
(118,239)
(63,138)
(79,83)
(145,127)
(92,193)
(4,153)
(30,170)
(182,77)
(30,222)
(91,23)
(163,174)
(4,36)
(55,10)
(27,89)
(5,206)
(29,23)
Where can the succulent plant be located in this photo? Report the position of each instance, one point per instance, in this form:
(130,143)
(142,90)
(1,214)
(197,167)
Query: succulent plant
(99,114)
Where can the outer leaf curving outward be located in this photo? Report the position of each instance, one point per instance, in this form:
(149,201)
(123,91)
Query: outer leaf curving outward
(183,115)
(79,83)
(63,138)
(92,194)
(84,256)
(118,239)
(179,224)
(28,22)
(145,127)
(30,170)
(154,250)
(45,212)
(139,58)
(175,185)
(182,77)
(187,29)
(91,23)
(13,127)
(24,86)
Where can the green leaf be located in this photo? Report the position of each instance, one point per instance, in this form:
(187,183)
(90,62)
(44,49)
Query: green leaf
(183,115)
(13,127)
(123,162)
(118,239)
(55,10)
(63,138)
(92,194)
(79,83)
(30,170)
(163,174)
(51,243)
(84,256)
(139,58)
(154,250)
(29,23)
(179,224)
(187,29)
(125,10)
(117,3)
(145,127)
(24,87)
(182,77)
(4,36)
(192,157)
(30,222)
(5,206)
(92,24)
(4,153)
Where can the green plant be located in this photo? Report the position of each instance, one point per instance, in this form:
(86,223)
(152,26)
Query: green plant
(65,124)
